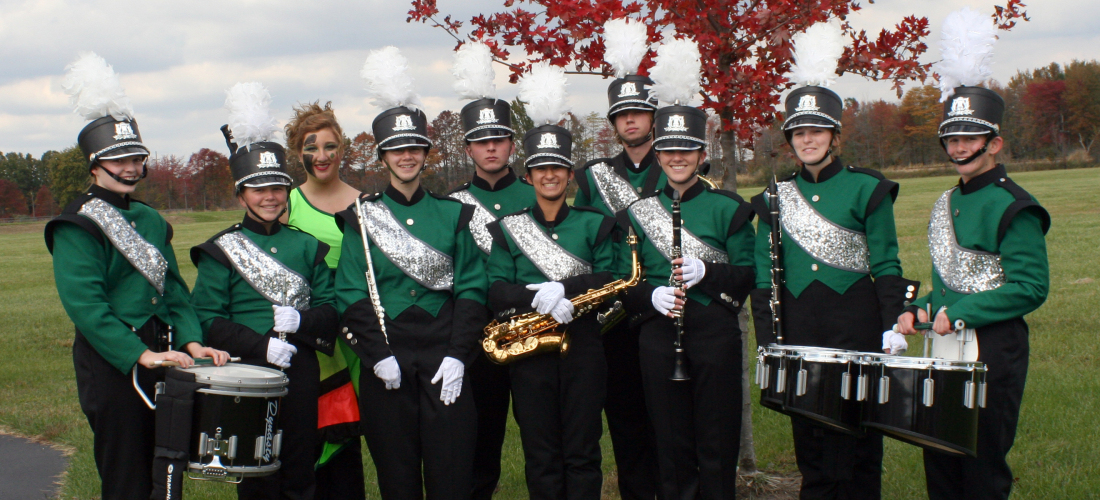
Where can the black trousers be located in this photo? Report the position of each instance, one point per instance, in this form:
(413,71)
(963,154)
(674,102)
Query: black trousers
(122,425)
(491,386)
(419,445)
(697,422)
(341,478)
(1003,347)
(628,422)
(836,465)
(558,402)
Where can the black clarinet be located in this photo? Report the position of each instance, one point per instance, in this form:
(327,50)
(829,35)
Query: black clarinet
(680,370)
(775,251)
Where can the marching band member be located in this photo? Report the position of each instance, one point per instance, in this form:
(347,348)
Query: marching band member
(264,292)
(989,261)
(413,312)
(610,185)
(118,280)
(315,137)
(843,285)
(542,255)
(697,421)
(494,191)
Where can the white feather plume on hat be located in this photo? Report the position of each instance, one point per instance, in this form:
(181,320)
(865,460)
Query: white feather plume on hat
(250,119)
(625,45)
(389,84)
(816,52)
(676,71)
(473,71)
(542,90)
(966,47)
(94,89)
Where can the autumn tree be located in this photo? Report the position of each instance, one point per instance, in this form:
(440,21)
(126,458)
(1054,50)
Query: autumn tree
(27,173)
(208,171)
(1082,101)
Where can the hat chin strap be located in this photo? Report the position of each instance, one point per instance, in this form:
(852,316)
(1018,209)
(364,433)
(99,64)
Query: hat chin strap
(828,155)
(967,160)
(639,142)
(144,172)
(261,219)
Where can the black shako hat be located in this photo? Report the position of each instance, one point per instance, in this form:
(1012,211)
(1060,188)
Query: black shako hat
(972,111)
(629,92)
(486,119)
(548,145)
(682,128)
(401,127)
(110,139)
(812,106)
(257,165)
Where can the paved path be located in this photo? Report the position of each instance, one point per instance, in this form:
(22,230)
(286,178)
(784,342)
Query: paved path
(28,470)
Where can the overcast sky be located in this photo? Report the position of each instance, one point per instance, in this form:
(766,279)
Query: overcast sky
(177,58)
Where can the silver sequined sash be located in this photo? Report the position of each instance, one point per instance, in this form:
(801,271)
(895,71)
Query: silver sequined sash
(269,277)
(961,269)
(482,216)
(616,192)
(417,259)
(546,254)
(825,241)
(656,223)
(144,256)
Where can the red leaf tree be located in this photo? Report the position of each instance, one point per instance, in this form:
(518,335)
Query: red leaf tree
(745,45)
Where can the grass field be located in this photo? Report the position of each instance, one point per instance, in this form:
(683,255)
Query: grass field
(1056,446)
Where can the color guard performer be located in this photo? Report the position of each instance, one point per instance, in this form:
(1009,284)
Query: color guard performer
(494,191)
(843,286)
(426,281)
(264,292)
(697,418)
(118,280)
(989,261)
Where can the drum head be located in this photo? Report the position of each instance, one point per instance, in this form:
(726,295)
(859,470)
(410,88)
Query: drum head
(239,376)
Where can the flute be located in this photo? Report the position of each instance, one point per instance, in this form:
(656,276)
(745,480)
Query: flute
(372,286)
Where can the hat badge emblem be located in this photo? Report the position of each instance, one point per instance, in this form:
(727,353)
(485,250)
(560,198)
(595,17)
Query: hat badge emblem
(403,122)
(676,124)
(487,116)
(268,160)
(960,106)
(628,90)
(123,131)
(807,103)
(548,141)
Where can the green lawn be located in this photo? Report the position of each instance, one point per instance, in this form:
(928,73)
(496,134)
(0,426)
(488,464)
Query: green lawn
(1056,447)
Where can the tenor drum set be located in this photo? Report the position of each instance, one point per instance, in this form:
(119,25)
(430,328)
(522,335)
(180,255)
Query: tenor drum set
(929,402)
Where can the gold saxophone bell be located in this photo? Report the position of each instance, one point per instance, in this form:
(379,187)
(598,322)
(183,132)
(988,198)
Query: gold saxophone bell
(532,333)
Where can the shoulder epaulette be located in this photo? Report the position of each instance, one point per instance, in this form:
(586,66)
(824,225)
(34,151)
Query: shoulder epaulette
(69,214)
(1023,201)
(596,161)
(212,248)
(885,187)
(728,194)
(744,212)
(521,211)
(460,188)
(871,172)
(444,197)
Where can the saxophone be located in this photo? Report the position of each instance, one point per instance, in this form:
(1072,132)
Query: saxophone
(533,333)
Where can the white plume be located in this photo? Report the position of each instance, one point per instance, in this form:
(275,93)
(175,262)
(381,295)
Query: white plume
(94,89)
(966,45)
(473,70)
(816,52)
(542,91)
(250,119)
(625,45)
(676,71)
(389,84)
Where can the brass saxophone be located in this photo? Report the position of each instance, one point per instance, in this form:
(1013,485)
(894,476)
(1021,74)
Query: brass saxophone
(533,333)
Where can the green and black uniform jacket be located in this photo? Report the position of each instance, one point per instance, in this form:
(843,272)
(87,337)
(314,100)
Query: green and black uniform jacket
(508,195)
(442,223)
(855,198)
(103,294)
(993,214)
(720,218)
(646,178)
(237,318)
(582,231)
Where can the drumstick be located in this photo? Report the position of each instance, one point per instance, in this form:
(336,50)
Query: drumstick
(916,326)
(198,361)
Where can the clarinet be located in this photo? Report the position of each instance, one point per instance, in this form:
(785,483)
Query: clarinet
(372,286)
(680,370)
(775,254)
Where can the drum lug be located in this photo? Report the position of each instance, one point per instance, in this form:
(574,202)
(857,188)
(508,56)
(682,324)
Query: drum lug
(846,385)
(203,442)
(981,394)
(883,390)
(258,453)
(800,383)
(969,394)
(929,396)
(760,368)
(781,380)
(277,443)
(231,453)
(861,388)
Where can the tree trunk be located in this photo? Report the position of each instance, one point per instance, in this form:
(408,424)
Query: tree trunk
(729,160)
(746,463)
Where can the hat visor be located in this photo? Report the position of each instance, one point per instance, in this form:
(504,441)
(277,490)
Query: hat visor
(547,161)
(124,152)
(489,133)
(964,129)
(676,145)
(807,121)
(266,180)
(405,142)
(632,106)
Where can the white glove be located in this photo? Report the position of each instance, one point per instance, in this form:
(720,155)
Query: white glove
(389,372)
(450,372)
(563,311)
(279,352)
(664,299)
(549,293)
(893,342)
(287,319)
(694,270)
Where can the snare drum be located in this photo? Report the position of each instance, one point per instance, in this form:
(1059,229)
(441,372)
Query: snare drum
(822,385)
(932,403)
(235,428)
